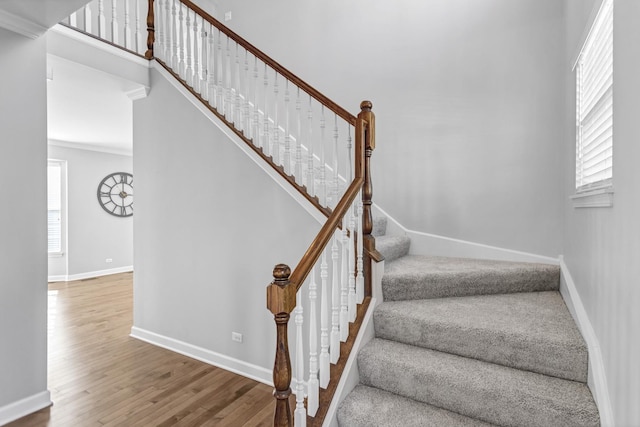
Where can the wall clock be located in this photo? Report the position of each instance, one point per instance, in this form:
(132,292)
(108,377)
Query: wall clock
(115,194)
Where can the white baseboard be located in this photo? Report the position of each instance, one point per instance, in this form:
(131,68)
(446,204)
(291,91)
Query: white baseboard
(23,407)
(236,366)
(597,378)
(432,244)
(90,274)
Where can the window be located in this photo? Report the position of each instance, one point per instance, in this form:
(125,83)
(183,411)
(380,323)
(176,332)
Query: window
(55,180)
(594,105)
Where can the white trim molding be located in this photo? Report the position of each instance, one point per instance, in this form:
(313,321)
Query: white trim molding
(20,25)
(597,378)
(100,148)
(23,407)
(90,274)
(598,198)
(231,364)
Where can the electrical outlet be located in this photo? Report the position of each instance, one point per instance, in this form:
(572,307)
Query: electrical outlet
(236,336)
(227,16)
(108,260)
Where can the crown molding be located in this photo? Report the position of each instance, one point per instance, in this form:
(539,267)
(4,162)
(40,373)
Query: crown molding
(21,25)
(90,147)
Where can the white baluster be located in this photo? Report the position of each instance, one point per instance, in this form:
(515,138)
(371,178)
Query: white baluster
(286,162)
(228,106)
(349,157)
(73,20)
(175,47)
(298,159)
(211,94)
(87,19)
(300,414)
(313,386)
(246,104)
(219,68)
(336,181)
(335,300)
(163,29)
(344,283)
(182,66)
(275,152)
(127,25)
(323,164)
(114,21)
(188,72)
(310,171)
(196,54)
(266,146)
(352,265)
(237,102)
(256,112)
(102,22)
(324,322)
(359,263)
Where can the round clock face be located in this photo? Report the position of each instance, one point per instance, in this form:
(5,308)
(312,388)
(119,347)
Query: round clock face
(115,194)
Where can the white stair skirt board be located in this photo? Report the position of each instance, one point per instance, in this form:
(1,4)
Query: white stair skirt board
(26,406)
(597,378)
(431,244)
(230,364)
(242,145)
(90,274)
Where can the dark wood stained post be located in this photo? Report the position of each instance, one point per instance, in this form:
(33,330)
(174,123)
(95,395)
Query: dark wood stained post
(369,242)
(281,300)
(151,31)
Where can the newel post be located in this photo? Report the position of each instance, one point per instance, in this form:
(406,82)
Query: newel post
(369,242)
(281,300)
(151,31)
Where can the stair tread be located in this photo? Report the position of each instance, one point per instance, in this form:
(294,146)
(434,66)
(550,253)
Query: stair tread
(393,247)
(423,277)
(367,406)
(532,331)
(481,390)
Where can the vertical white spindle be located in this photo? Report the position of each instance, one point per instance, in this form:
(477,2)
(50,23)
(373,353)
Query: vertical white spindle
(204,70)
(344,283)
(163,29)
(237,120)
(349,157)
(127,25)
(266,146)
(310,172)
(275,152)
(228,106)
(256,112)
(211,67)
(102,21)
(73,19)
(196,54)
(335,191)
(114,21)
(286,162)
(324,322)
(300,414)
(335,300)
(298,153)
(174,36)
(313,386)
(219,68)
(181,44)
(359,263)
(352,265)
(158,47)
(188,72)
(87,19)
(323,164)
(246,104)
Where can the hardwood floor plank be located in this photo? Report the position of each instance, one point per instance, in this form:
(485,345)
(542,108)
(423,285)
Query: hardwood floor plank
(100,376)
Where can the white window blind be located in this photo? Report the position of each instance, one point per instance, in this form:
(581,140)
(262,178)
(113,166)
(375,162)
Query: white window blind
(594,104)
(54,206)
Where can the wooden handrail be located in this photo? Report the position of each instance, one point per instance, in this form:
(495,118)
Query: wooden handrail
(341,112)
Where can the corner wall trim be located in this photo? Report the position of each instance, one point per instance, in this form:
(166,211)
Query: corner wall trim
(23,407)
(22,26)
(597,378)
(90,274)
(231,364)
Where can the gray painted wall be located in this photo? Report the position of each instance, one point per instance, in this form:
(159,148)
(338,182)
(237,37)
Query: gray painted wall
(209,228)
(93,234)
(23,235)
(467,97)
(602,244)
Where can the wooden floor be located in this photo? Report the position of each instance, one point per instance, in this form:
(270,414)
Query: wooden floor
(99,376)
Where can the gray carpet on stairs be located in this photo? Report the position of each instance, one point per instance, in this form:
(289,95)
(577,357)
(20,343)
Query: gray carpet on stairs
(423,277)
(393,247)
(532,331)
(476,389)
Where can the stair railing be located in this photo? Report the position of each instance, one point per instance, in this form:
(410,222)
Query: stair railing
(317,146)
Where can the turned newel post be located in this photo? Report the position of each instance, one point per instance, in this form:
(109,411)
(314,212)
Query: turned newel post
(281,300)
(150,31)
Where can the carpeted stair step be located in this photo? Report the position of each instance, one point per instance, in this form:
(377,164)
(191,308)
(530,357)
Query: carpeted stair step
(485,391)
(423,277)
(379,226)
(393,247)
(367,407)
(533,331)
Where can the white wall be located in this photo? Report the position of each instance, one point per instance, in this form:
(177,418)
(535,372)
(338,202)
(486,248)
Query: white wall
(23,235)
(602,244)
(467,98)
(209,227)
(93,234)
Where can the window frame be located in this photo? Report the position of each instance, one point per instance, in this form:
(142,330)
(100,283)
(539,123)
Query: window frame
(62,164)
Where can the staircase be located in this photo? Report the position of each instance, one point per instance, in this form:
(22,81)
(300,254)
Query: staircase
(463,342)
